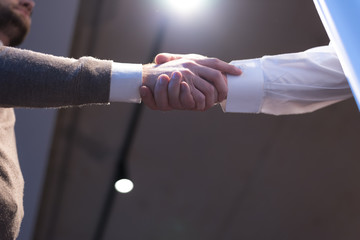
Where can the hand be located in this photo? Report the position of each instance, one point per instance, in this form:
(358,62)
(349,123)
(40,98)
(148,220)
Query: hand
(207,85)
(202,77)
(179,91)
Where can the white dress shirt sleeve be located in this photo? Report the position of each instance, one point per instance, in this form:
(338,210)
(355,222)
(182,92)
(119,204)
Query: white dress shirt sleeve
(288,83)
(126,79)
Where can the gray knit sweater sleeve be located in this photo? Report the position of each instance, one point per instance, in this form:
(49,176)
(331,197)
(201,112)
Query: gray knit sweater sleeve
(31,79)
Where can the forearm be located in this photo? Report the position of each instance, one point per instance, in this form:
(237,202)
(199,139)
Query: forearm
(288,83)
(30,79)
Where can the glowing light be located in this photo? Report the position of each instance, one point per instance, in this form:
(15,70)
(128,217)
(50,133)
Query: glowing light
(124,186)
(185,6)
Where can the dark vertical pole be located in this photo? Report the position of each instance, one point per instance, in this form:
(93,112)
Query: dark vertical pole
(121,166)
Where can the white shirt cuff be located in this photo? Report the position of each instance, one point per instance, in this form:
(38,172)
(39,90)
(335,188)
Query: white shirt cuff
(245,91)
(126,79)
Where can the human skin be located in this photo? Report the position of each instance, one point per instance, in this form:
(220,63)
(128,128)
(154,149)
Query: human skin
(183,91)
(177,88)
(15,20)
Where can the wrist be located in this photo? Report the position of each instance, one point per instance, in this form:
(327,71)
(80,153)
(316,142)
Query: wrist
(149,76)
(126,78)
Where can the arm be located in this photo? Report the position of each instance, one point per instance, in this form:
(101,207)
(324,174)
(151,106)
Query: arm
(288,83)
(30,79)
(285,84)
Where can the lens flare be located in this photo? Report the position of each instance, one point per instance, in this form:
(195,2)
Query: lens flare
(185,6)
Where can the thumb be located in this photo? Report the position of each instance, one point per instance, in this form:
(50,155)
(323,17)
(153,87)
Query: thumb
(165,57)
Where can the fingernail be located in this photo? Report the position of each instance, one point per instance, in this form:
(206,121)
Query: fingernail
(176,75)
(163,80)
(142,92)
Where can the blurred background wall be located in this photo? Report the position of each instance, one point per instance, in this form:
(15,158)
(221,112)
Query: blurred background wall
(210,175)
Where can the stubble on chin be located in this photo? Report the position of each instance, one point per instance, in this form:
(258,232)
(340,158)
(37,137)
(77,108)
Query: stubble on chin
(13,26)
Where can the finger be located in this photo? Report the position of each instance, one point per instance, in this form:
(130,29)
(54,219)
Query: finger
(174,90)
(199,98)
(219,65)
(203,86)
(166,57)
(186,99)
(210,75)
(225,77)
(202,91)
(148,98)
(160,93)
(217,80)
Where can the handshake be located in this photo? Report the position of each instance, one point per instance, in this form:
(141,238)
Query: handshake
(185,82)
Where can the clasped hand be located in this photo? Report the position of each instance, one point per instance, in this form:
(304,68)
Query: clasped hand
(185,82)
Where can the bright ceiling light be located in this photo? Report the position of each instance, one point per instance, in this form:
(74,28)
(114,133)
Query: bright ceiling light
(185,6)
(124,186)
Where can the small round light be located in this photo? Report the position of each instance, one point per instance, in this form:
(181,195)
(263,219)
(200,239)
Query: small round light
(124,185)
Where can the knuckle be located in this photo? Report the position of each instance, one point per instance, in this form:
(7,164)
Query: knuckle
(189,64)
(188,71)
(200,99)
(215,62)
(218,75)
(209,90)
(187,74)
(222,93)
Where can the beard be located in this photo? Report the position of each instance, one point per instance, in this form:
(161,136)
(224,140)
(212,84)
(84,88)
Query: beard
(13,26)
